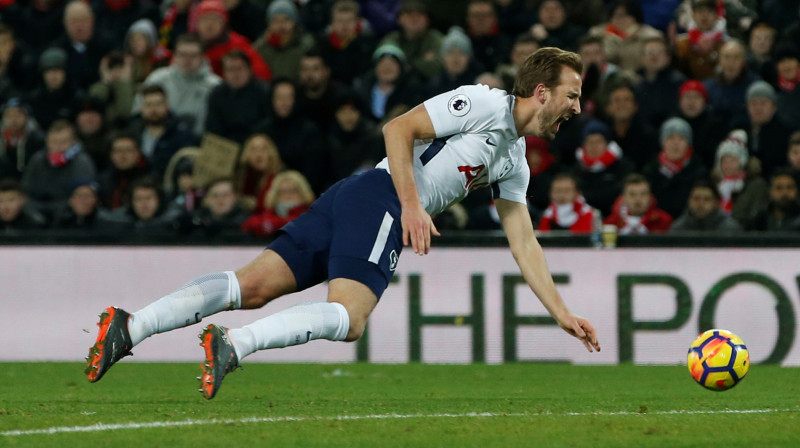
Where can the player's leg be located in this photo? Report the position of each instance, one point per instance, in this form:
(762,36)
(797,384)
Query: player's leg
(264,279)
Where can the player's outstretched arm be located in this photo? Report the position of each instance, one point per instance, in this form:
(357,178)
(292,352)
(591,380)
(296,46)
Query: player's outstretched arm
(530,258)
(399,135)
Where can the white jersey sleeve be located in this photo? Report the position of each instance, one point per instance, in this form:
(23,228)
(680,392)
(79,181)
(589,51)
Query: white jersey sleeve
(513,186)
(470,109)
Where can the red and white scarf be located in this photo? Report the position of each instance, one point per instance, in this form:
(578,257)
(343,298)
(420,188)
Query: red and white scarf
(633,225)
(597,164)
(669,167)
(566,215)
(788,85)
(728,186)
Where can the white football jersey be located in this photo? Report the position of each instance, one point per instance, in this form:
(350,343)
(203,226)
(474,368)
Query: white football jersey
(476,146)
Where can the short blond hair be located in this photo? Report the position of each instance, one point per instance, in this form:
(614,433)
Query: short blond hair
(291,176)
(544,66)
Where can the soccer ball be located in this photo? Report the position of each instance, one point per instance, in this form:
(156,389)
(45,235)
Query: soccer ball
(718,360)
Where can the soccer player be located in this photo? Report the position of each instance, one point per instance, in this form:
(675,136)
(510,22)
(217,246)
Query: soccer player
(352,235)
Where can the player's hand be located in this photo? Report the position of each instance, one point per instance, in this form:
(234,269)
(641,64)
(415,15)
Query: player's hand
(417,229)
(581,329)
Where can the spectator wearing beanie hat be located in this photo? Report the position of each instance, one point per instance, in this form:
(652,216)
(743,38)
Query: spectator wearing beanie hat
(389,84)
(671,177)
(417,39)
(601,167)
(283,43)
(54,99)
(743,191)
(211,22)
(458,64)
(768,134)
(708,128)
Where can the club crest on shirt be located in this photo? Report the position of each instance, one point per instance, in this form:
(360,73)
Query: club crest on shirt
(459,105)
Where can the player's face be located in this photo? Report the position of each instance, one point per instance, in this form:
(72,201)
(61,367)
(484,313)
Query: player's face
(563,191)
(702,202)
(794,156)
(637,198)
(675,147)
(561,104)
(145,203)
(11,203)
(83,200)
(124,154)
(692,103)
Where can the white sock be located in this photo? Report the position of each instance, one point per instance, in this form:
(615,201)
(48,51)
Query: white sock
(292,326)
(195,300)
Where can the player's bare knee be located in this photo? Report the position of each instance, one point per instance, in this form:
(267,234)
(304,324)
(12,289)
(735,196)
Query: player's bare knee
(356,329)
(255,290)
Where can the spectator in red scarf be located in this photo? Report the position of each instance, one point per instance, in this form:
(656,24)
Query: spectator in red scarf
(636,211)
(624,34)
(671,177)
(568,209)
(742,190)
(212,26)
(698,50)
(347,48)
(284,42)
(289,196)
(258,165)
(489,44)
(176,22)
(601,167)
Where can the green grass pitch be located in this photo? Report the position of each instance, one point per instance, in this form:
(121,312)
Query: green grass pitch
(354,405)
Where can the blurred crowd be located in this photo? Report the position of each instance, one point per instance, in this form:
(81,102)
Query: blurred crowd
(691,109)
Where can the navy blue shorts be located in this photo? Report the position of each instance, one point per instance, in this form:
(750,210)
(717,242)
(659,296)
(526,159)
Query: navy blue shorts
(352,231)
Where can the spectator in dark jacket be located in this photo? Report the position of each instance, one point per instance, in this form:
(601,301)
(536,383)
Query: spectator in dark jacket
(21,138)
(346,48)
(631,132)
(783,209)
(458,63)
(14,216)
(349,137)
(658,89)
(236,105)
(553,29)
(299,141)
(52,172)
(54,99)
(708,128)
(83,212)
(672,176)
(83,47)
(768,134)
(601,167)
(160,134)
(127,165)
(703,213)
(220,213)
(490,45)
(727,91)
(389,83)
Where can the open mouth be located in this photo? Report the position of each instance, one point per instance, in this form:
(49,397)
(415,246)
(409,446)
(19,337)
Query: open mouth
(562,119)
